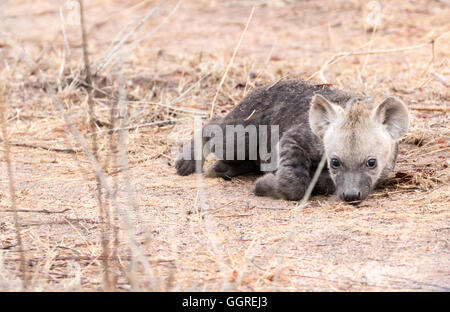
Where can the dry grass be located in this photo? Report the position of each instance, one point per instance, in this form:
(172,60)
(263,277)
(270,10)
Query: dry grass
(220,236)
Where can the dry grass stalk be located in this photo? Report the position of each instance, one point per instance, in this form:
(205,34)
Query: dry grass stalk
(121,210)
(12,190)
(92,118)
(230,63)
(66,41)
(341,55)
(111,158)
(205,217)
(123,162)
(298,214)
(109,215)
(45,147)
(164,21)
(431,108)
(149,124)
(119,45)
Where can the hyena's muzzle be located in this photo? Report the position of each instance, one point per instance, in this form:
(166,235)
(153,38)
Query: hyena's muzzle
(353,186)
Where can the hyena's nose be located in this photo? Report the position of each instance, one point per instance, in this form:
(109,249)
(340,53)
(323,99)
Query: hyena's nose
(351,195)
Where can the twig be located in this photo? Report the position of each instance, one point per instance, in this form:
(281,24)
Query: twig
(276,82)
(123,161)
(341,55)
(230,63)
(66,42)
(178,98)
(148,124)
(427,68)
(431,108)
(121,210)
(111,158)
(61,71)
(12,189)
(38,211)
(187,90)
(173,101)
(441,79)
(172,12)
(91,112)
(369,45)
(296,219)
(435,151)
(118,46)
(174,108)
(84,258)
(442,288)
(201,200)
(45,147)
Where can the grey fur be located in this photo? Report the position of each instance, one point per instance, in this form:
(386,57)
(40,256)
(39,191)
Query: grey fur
(293,105)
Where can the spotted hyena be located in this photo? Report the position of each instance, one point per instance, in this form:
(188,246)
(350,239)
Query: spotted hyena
(358,138)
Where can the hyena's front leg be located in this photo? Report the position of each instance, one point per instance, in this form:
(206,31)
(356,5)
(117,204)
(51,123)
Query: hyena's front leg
(294,172)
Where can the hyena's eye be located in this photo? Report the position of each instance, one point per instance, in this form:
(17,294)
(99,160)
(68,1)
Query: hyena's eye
(335,162)
(372,163)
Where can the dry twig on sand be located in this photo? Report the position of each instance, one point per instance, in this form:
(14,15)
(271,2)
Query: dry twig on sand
(43,146)
(296,219)
(341,55)
(431,108)
(99,172)
(92,125)
(12,190)
(230,63)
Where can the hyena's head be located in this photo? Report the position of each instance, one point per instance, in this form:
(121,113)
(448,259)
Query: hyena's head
(360,142)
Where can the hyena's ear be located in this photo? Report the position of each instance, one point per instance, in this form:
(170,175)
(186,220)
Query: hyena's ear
(321,114)
(394,116)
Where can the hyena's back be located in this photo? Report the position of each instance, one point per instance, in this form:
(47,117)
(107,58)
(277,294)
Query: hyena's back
(285,103)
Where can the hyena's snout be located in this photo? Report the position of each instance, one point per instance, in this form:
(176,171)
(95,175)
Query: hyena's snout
(351,195)
(353,187)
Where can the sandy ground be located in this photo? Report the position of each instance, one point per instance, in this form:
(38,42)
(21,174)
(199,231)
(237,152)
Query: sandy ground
(398,239)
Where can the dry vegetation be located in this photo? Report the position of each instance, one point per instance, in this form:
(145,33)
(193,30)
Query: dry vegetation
(149,229)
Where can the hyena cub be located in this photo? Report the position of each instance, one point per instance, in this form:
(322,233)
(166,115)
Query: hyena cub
(358,139)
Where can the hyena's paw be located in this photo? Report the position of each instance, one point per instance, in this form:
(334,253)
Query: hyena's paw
(266,186)
(291,192)
(185,167)
(279,186)
(219,170)
(227,170)
(290,186)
